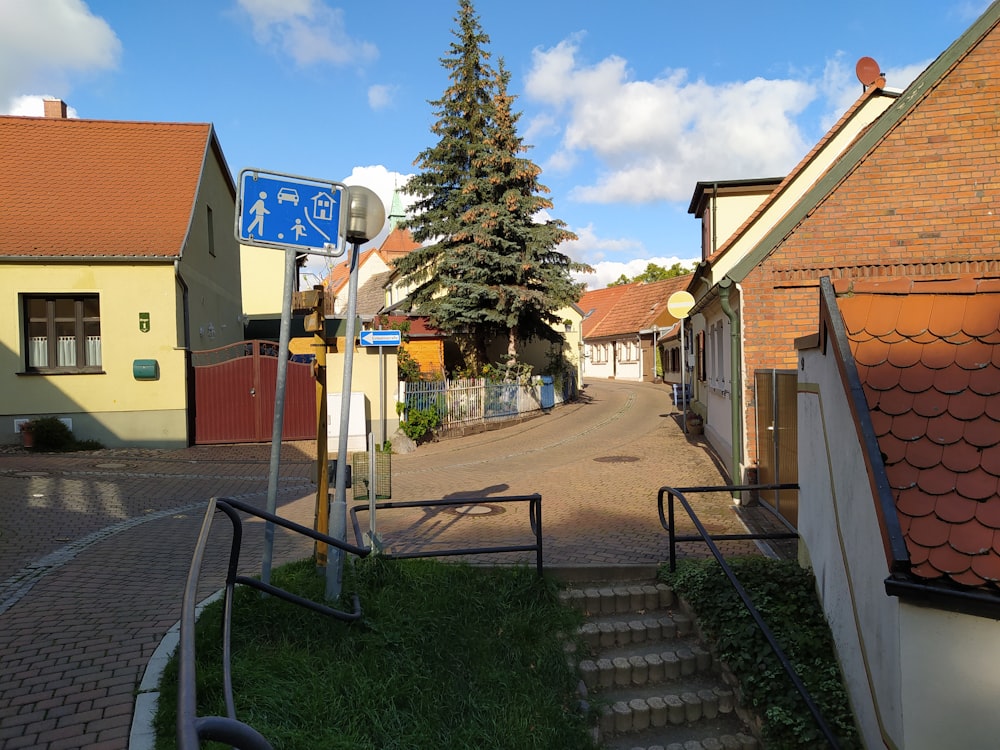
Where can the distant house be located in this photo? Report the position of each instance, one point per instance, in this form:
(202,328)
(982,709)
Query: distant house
(621,328)
(899,454)
(107,295)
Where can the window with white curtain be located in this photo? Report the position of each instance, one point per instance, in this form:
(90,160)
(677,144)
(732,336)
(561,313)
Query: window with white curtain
(718,356)
(62,332)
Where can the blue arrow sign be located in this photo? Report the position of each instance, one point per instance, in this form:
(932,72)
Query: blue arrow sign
(284,211)
(388,337)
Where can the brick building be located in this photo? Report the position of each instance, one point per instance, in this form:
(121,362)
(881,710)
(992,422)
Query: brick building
(914,194)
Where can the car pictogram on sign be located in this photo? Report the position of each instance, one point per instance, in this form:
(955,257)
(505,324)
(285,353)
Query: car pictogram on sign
(289,195)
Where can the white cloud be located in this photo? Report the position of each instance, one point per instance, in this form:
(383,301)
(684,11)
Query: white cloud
(308,31)
(45,42)
(654,139)
(33,105)
(380,96)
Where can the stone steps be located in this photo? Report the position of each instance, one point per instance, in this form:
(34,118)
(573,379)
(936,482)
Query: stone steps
(655,684)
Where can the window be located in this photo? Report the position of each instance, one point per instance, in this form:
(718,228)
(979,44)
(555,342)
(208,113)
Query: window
(211,232)
(63,333)
(719,356)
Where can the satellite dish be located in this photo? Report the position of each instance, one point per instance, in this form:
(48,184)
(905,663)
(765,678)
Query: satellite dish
(868,71)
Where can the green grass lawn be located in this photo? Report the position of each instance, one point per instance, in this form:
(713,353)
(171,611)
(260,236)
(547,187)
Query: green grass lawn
(446,656)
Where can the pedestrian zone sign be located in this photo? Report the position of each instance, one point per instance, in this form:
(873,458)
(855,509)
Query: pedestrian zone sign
(286,211)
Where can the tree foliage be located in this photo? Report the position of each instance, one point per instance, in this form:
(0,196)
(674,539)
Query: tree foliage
(489,269)
(653,272)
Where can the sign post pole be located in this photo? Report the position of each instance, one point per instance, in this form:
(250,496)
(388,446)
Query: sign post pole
(679,305)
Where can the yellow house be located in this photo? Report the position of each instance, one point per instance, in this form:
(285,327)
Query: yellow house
(118,260)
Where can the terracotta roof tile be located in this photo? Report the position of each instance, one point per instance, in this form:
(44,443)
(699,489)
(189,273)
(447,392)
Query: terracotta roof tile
(935,401)
(98,188)
(597,304)
(633,308)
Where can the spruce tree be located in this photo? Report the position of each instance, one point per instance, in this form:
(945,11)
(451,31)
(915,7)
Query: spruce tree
(489,270)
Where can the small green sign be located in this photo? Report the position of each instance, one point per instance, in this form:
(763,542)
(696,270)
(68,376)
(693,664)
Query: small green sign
(144,322)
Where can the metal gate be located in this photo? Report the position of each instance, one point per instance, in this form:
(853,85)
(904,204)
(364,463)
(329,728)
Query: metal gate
(234,393)
(777,439)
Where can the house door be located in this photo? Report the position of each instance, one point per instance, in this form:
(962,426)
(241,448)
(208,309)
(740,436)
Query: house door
(777,439)
(234,395)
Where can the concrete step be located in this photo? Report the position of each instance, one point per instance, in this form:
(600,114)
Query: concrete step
(656,685)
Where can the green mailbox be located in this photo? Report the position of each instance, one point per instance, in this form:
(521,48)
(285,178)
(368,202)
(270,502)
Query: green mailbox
(145,369)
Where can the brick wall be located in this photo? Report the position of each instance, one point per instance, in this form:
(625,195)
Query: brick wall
(925,202)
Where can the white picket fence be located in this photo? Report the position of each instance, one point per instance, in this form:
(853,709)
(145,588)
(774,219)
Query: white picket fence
(461,403)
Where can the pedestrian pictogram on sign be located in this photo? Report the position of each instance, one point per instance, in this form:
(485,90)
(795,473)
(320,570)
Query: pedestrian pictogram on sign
(285,211)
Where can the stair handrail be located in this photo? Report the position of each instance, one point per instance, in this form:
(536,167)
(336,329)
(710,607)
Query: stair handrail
(534,521)
(191,728)
(678,492)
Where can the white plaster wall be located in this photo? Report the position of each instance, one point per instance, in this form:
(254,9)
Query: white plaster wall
(951,681)
(841,539)
(629,370)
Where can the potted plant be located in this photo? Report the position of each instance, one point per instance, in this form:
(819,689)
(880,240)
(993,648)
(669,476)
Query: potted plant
(28,434)
(695,423)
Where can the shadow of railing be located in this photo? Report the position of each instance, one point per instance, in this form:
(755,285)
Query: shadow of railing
(672,493)
(191,728)
(534,520)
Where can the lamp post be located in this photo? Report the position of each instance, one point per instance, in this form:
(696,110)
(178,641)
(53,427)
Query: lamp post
(365,219)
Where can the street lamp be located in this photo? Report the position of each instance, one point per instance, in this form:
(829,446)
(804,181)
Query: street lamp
(365,219)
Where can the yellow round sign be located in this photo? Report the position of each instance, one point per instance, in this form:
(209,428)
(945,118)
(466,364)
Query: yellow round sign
(680,304)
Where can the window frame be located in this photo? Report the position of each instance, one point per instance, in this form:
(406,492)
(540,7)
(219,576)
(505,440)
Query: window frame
(81,319)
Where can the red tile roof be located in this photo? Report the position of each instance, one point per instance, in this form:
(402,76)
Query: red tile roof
(928,354)
(637,309)
(596,304)
(98,188)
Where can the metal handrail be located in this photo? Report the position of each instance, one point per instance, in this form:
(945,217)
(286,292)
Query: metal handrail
(534,519)
(191,728)
(709,540)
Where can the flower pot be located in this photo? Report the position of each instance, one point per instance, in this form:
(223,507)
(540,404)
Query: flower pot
(27,437)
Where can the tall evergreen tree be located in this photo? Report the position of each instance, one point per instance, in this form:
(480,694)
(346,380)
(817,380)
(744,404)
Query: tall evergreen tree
(490,269)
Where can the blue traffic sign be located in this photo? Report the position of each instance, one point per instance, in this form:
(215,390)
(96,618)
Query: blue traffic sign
(387,337)
(285,211)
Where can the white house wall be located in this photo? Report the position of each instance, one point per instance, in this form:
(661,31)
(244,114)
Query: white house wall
(841,540)
(951,686)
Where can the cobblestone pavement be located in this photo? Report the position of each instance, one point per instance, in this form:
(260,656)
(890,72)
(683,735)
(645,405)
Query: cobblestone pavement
(95,547)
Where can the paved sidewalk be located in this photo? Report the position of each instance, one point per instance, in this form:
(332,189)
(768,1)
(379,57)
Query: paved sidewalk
(94,548)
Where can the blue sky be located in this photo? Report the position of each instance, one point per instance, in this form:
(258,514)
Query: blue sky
(625,105)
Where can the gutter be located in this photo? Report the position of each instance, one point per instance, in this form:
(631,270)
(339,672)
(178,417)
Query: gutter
(736,400)
(967,602)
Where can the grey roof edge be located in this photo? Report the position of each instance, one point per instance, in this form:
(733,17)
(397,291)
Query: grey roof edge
(835,333)
(867,141)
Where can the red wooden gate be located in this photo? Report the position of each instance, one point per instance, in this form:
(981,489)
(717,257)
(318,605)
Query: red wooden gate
(234,391)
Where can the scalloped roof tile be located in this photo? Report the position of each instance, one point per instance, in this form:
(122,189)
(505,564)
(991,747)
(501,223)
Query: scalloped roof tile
(928,354)
(99,188)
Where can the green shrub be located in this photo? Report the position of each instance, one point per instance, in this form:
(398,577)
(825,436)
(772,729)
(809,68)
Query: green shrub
(785,595)
(51,435)
(421,423)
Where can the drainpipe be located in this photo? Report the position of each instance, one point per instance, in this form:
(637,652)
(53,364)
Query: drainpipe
(186,343)
(736,401)
(186,346)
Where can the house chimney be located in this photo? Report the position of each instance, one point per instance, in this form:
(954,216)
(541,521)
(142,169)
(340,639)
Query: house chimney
(55,108)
